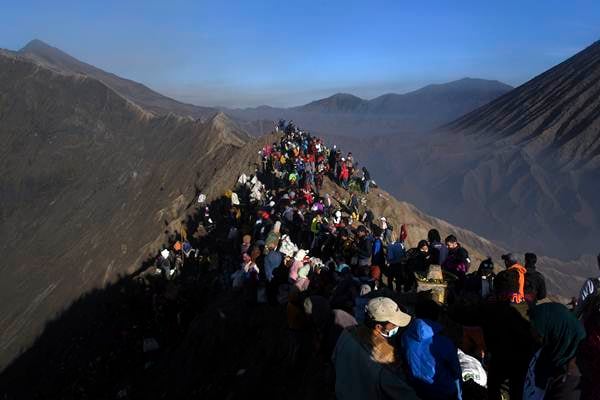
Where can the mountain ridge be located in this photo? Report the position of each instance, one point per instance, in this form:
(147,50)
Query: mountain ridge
(141,94)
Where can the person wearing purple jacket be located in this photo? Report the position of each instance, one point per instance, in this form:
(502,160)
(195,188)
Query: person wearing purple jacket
(457,261)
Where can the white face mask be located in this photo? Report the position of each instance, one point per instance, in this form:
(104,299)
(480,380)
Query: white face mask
(390,333)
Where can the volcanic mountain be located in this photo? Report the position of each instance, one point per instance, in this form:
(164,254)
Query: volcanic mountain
(523,170)
(93,184)
(418,111)
(152,101)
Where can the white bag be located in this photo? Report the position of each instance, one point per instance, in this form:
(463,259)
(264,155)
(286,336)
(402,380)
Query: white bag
(472,369)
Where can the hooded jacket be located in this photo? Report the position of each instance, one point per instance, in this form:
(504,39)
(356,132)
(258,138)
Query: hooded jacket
(432,359)
(510,284)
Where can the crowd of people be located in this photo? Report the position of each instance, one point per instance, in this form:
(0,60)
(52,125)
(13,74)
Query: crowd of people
(351,289)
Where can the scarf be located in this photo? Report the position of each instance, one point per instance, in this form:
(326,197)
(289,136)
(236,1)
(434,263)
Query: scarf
(561,334)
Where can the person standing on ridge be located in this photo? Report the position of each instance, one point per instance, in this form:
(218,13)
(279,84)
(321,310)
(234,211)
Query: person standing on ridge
(457,261)
(438,250)
(366,180)
(396,256)
(535,284)
(507,332)
(510,283)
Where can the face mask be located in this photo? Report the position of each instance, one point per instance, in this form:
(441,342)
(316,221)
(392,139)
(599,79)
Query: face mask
(390,333)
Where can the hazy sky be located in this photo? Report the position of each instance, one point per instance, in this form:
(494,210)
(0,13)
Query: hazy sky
(285,52)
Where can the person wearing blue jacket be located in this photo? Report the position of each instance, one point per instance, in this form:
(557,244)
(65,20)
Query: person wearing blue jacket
(432,361)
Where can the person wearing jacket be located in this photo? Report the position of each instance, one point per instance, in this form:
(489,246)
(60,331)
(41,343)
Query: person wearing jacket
(438,250)
(364,246)
(510,283)
(457,261)
(366,364)
(396,253)
(433,365)
(419,258)
(481,282)
(378,255)
(366,180)
(553,372)
(344,176)
(535,284)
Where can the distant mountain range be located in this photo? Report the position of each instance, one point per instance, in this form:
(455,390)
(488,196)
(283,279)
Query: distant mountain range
(447,99)
(417,111)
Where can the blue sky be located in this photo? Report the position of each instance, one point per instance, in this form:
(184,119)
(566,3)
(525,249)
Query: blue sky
(246,53)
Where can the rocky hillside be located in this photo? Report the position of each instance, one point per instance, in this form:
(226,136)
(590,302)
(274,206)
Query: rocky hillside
(546,134)
(90,183)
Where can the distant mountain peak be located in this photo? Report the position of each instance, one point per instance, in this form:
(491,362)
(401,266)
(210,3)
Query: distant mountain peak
(227,130)
(45,51)
(342,95)
(59,61)
(36,44)
(337,103)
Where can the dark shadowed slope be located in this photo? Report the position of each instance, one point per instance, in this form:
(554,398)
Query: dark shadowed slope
(417,111)
(89,181)
(138,93)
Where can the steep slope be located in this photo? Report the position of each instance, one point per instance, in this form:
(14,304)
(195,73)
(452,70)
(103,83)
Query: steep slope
(523,170)
(89,181)
(547,133)
(417,111)
(134,91)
